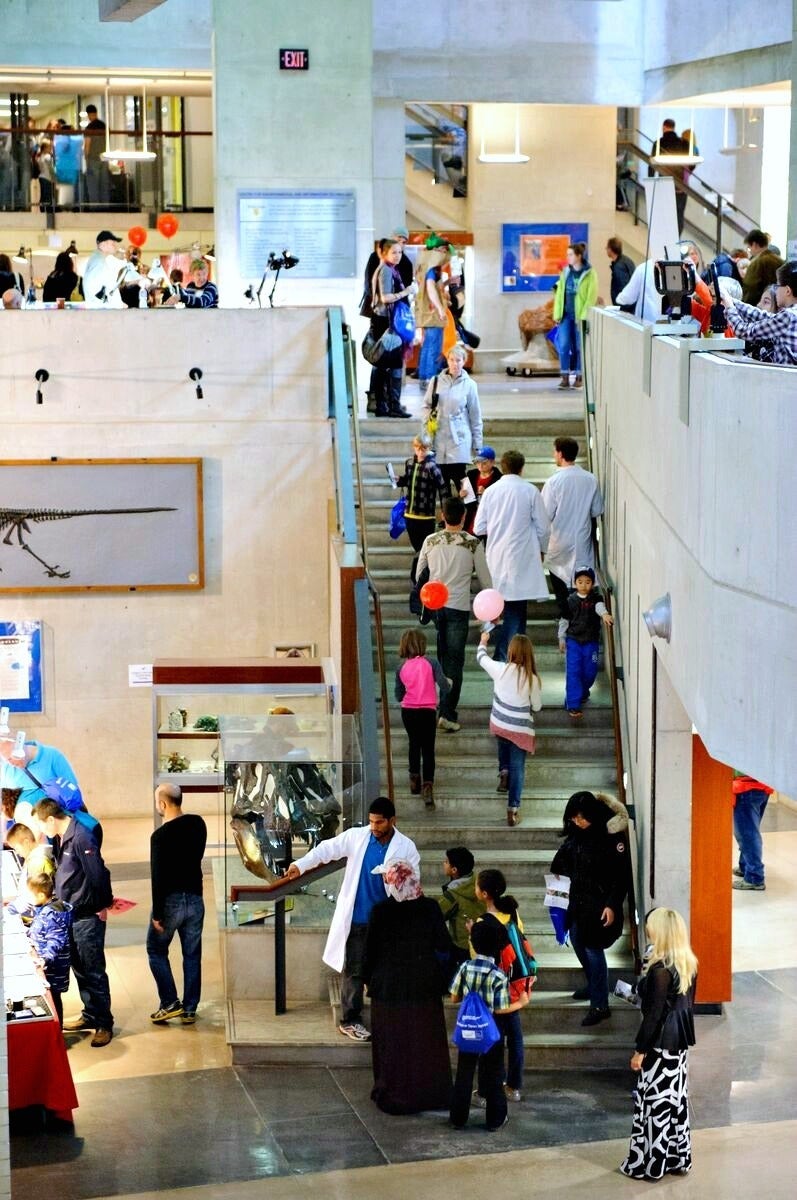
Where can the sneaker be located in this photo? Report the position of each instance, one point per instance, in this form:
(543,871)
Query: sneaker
(581,994)
(495,1128)
(575,713)
(743,885)
(101,1037)
(596,1015)
(355,1031)
(564,385)
(477,1101)
(579,382)
(165,1014)
(512,1094)
(188,1017)
(449,726)
(739,874)
(78,1025)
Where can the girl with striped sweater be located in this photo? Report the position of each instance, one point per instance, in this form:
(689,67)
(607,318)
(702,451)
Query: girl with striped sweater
(517,694)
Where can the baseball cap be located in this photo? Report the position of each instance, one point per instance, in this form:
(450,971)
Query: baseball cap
(105,235)
(486,454)
(401,231)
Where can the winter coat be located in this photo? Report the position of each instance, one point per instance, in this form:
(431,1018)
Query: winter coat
(49,935)
(459,417)
(596,861)
(586,293)
(424,484)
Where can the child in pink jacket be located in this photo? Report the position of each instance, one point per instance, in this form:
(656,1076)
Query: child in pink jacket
(418,681)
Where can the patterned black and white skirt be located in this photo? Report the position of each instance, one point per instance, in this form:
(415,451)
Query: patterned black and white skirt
(660,1139)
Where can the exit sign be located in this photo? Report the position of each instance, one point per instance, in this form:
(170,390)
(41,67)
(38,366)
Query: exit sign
(294,60)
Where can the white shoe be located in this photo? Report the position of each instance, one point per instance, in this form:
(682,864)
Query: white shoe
(449,726)
(355,1031)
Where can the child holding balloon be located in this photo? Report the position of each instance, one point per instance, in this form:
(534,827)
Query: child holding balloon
(517,694)
(418,681)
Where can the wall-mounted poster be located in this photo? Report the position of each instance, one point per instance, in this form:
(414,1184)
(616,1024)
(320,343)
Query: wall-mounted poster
(318,227)
(532,256)
(110,524)
(21,666)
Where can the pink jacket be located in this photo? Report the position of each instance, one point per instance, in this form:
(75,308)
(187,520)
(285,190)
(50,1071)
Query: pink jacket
(417,680)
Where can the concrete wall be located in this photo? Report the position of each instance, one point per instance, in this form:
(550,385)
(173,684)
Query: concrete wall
(678,31)
(570,177)
(50,33)
(700,510)
(119,388)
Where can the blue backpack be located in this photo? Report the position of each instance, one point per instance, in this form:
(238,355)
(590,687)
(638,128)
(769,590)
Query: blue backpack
(475,1031)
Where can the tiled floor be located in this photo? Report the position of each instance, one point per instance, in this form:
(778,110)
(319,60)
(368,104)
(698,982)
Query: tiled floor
(162,1111)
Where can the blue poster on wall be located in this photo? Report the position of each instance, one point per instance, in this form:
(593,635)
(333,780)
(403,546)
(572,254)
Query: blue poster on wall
(532,256)
(21,666)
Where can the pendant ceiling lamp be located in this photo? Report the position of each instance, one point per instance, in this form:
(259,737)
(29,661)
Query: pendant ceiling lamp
(512,157)
(744,147)
(686,158)
(125,155)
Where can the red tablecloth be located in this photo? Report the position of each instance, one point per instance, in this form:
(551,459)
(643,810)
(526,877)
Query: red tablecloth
(38,1068)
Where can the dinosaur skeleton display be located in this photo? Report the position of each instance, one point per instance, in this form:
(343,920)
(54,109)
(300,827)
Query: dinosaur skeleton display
(19,520)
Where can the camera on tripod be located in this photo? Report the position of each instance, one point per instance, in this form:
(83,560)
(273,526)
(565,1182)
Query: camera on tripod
(282,262)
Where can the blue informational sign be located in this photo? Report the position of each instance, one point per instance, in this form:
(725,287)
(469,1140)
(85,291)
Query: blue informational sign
(21,666)
(318,227)
(532,256)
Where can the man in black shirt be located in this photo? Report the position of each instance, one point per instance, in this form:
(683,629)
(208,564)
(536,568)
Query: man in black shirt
(176,851)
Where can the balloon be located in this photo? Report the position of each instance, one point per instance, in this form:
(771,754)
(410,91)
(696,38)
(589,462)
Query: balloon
(434,594)
(168,225)
(137,235)
(488,605)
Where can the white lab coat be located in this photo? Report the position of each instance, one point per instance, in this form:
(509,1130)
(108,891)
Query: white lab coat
(641,292)
(571,498)
(351,845)
(512,515)
(105,271)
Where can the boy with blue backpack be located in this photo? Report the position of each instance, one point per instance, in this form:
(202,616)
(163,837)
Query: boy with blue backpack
(489,985)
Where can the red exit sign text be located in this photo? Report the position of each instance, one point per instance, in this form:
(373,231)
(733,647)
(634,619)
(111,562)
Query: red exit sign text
(294,60)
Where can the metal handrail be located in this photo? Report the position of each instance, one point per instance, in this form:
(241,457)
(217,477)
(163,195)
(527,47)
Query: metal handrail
(614,671)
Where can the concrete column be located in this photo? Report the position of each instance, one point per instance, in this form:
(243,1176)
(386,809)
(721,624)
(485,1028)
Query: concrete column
(672,824)
(292,129)
(792,216)
(389,191)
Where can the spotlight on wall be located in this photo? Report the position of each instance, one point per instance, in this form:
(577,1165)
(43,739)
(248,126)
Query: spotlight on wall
(658,617)
(42,375)
(195,374)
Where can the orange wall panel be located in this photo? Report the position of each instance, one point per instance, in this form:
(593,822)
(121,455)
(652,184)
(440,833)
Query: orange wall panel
(711,915)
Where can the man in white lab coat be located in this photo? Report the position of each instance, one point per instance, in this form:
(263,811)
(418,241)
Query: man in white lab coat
(105,272)
(641,292)
(512,515)
(364,849)
(572,501)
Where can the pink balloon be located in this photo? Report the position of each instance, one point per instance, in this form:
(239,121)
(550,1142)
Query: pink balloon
(488,605)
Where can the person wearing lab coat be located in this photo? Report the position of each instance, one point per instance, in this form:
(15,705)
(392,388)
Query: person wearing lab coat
(105,272)
(513,517)
(572,501)
(364,849)
(641,292)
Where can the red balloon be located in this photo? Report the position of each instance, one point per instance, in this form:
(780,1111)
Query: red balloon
(434,594)
(137,235)
(168,225)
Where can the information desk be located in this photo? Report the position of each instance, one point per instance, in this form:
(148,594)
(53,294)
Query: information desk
(38,1068)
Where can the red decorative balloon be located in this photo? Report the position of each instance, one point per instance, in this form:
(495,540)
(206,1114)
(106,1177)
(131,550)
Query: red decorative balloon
(168,225)
(434,594)
(137,235)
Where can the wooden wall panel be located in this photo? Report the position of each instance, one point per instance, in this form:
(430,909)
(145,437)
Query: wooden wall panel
(711,913)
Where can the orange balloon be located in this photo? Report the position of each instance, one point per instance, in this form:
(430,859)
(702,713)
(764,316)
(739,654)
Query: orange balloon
(434,594)
(168,225)
(137,235)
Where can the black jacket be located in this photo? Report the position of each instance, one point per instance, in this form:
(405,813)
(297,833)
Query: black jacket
(622,269)
(585,624)
(81,877)
(667,1016)
(424,484)
(597,863)
(407,951)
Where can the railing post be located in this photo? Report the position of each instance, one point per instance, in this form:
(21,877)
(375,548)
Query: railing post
(718,239)
(280,978)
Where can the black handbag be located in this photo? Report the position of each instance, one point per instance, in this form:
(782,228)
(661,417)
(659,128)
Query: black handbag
(470,339)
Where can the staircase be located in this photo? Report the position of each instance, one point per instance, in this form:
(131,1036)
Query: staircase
(468,810)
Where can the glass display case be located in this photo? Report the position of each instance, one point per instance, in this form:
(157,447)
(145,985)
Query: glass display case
(291,781)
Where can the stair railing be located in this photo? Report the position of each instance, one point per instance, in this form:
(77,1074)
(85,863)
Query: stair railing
(370,592)
(615,670)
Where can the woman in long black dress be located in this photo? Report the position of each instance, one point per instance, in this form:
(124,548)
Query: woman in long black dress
(407,967)
(594,854)
(660,1137)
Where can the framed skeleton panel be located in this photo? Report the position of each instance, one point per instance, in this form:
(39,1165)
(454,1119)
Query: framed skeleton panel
(101,524)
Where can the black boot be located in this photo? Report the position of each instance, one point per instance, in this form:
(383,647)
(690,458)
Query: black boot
(394,395)
(382,394)
(371,405)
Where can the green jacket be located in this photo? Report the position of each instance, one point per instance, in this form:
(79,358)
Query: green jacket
(586,294)
(458,903)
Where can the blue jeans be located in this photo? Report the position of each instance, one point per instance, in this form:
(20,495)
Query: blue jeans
(430,361)
(593,960)
(581,668)
(452,637)
(513,620)
(512,759)
(747,813)
(568,343)
(510,1026)
(87,949)
(183,914)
